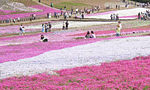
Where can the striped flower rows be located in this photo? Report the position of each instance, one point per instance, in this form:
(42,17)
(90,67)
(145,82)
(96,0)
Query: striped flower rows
(122,75)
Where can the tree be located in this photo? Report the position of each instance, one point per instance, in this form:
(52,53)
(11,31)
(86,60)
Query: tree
(142,1)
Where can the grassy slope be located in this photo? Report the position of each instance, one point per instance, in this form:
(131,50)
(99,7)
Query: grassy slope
(77,3)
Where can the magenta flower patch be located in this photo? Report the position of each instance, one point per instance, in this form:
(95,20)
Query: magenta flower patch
(44,11)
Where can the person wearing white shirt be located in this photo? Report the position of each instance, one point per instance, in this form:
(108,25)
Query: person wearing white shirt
(92,35)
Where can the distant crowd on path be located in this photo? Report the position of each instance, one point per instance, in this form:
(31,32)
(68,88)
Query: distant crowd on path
(90,35)
(47,27)
(114,17)
(68,14)
(144,15)
(144,5)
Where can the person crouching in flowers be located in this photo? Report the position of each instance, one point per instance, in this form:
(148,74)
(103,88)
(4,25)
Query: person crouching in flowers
(92,35)
(88,35)
(43,39)
(118,30)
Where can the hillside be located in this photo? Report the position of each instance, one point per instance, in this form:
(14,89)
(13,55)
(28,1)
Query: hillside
(70,3)
(81,3)
(17,5)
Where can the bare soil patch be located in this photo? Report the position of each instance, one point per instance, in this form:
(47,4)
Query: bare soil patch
(26,2)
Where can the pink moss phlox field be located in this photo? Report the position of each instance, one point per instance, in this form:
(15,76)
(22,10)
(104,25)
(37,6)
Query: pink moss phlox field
(120,75)
(133,16)
(32,48)
(7,11)
(124,31)
(44,11)
(27,50)
(16,52)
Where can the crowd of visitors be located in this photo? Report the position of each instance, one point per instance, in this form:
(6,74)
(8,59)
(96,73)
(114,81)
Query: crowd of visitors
(144,15)
(114,17)
(47,27)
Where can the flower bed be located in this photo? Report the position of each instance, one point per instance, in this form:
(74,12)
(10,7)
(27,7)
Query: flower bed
(44,11)
(112,32)
(7,11)
(122,75)
(39,57)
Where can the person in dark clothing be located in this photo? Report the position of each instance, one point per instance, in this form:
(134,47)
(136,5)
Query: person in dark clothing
(51,4)
(63,25)
(43,39)
(111,17)
(64,7)
(67,24)
(88,35)
(117,17)
(46,27)
(49,26)
(139,15)
(82,15)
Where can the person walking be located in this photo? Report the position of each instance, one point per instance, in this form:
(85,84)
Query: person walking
(139,15)
(43,28)
(117,17)
(77,10)
(82,15)
(67,24)
(51,4)
(63,25)
(111,17)
(22,29)
(46,27)
(118,30)
(50,26)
